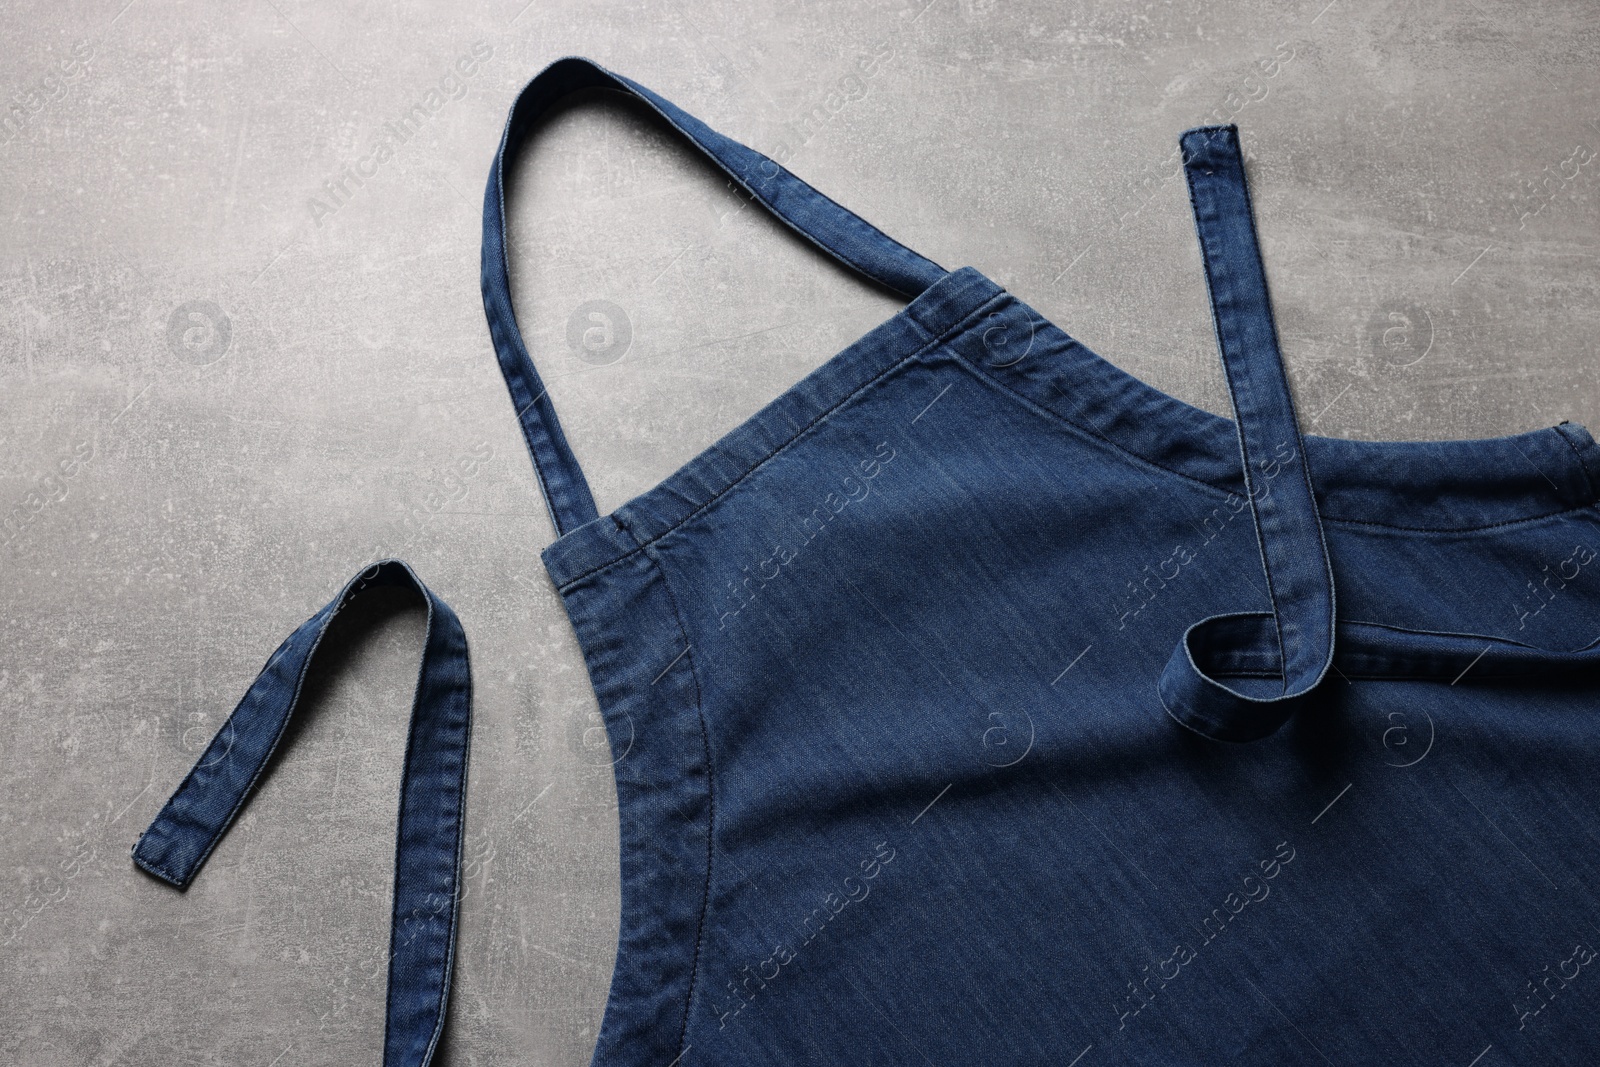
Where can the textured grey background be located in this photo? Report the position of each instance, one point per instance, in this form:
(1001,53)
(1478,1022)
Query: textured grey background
(217,403)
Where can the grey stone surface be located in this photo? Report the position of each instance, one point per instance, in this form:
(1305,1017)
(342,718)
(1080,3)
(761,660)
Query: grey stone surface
(218,399)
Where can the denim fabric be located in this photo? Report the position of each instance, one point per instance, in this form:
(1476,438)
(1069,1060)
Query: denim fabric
(433,797)
(847,237)
(880,672)
(1294,557)
(884,675)
(890,676)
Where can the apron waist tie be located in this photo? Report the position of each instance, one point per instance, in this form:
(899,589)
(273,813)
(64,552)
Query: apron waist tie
(1294,641)
(433,785)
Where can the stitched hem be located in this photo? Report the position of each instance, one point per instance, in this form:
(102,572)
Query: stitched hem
(1459,529)
(711,791)
(930,344)
(665,803)
(1211,487)
(1586,450)
(1094,435)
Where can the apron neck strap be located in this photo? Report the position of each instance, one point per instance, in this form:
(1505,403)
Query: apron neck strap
(1298,633)
(843,235)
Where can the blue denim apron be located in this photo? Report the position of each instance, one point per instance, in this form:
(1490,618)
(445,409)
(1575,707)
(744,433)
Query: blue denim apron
(915,683)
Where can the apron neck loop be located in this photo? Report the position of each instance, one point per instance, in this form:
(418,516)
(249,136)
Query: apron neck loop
(841,234)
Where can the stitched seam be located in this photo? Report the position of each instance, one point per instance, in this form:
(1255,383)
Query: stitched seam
(525,372)
(160,872)
(850,217)
(461,830)
(711,789)
(1294,422)
(1476,676)
(1041,409)
(563,457)
(1458,529)
(391,992)
(1583,464)
(1208,262)
(627,87)
(294,705)
(933,342)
